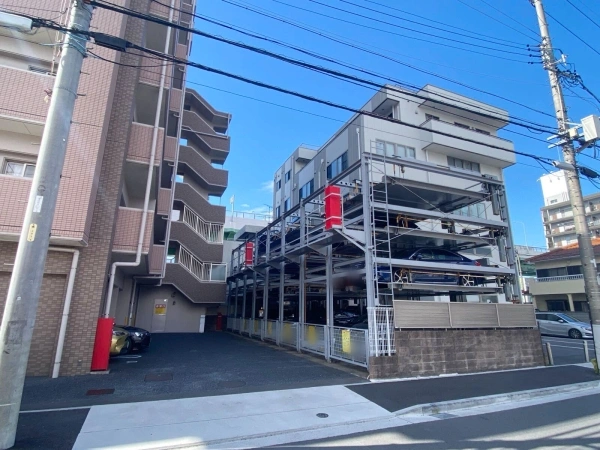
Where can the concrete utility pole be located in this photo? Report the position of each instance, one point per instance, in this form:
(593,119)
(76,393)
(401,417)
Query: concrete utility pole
(26,281)
(586,250)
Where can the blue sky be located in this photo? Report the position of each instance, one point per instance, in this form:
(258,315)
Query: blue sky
(264,134)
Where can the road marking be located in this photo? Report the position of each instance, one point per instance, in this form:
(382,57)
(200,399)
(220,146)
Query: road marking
(564,346)
(72,408)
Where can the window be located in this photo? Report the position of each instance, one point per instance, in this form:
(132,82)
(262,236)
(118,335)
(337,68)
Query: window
(287,205)
(278,184)
(18,169)
(288,175)
(477,210)
(277,211)
(394,150)
(307,189)
(337,166)
(463,164)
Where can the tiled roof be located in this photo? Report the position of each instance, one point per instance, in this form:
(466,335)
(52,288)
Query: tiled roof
(566,252)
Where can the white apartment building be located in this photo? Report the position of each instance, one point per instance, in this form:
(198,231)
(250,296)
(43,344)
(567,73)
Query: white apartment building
(557,214)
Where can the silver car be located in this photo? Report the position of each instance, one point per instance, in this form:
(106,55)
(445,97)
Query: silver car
(560,324)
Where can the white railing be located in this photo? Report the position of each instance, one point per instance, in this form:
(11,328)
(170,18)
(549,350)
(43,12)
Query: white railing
(289,334)
(250,215)
(350,345)
(271,330)
(434,315)
(213,272)
(313,338)
(381,331)
(210,232)
(559,278)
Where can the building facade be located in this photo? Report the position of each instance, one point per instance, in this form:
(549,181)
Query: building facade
(557,214)
(369,249)
(140,145)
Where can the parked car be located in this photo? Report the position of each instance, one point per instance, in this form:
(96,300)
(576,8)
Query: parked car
(121,342)
(561,324)
(434,255)
(141,338)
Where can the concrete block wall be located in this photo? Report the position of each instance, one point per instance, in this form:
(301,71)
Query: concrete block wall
(436,352)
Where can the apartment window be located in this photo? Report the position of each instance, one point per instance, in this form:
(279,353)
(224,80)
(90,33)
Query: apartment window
(288,175)
(278,211)
(463,164)
(18,169)
(477,210)
(394,150)
(337,166)
(307,189)
(278,184)
(287,204)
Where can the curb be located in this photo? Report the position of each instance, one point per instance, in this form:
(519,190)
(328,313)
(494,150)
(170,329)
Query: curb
(452,405)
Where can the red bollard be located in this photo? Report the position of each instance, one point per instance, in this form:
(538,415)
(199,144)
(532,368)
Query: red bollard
(219,326)
(102,343)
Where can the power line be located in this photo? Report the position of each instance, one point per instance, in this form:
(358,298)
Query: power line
(573,33)
(383,5)
(404,35)
(583,13)
(498,20)
(479,38)
(274,17)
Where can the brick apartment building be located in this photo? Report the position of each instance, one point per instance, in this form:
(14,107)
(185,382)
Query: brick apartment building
(102,191)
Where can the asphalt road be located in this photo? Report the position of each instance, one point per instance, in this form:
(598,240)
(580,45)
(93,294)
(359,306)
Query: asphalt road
(573,424)
(567,350)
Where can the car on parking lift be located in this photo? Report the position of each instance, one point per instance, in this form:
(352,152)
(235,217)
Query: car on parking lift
(435,256)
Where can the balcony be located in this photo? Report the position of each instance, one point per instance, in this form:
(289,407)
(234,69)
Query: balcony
(25,98)
(151,72)
(471,151)
(200,248)
(161,11)
(156,258)
(140,144)
(201,282)
(188,195)
(175,100)
(212,179)
(127,230)
(163,202)
(202,135)
(195,102)
(567,284)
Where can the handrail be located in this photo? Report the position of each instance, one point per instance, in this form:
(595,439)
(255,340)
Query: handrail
(210,232)
(559,278)
(201,270)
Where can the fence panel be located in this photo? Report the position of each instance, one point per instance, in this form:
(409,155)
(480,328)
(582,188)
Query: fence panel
(349,345)
(256,327)
(473,315)
(271,330)
(313,339)
(289,334)
(516,316)
(381,331)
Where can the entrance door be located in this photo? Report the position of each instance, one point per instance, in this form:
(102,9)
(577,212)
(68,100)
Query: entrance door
(159,315)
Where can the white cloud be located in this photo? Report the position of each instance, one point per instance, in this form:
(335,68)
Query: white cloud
(245,205)
(267,186)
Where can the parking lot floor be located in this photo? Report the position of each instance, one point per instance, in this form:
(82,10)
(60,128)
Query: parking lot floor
(181,365)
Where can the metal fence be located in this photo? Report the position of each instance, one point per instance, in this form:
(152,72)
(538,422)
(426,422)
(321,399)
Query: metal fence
(381,331)
(270,333)
(411,314)
(233,324)
(313,338)
(350,345)
(289,334)
(256,328)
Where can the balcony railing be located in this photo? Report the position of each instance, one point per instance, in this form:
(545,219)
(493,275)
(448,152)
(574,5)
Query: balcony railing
(559,278)
(212,272)
(210,232)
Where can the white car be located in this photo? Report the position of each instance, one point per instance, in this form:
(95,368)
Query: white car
(560,324)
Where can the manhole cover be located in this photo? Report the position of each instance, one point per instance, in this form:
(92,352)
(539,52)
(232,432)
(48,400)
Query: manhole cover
(166,376)
(231,384)
(99,391)
(322,415)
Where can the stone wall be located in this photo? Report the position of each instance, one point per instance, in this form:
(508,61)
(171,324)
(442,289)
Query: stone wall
(436,352)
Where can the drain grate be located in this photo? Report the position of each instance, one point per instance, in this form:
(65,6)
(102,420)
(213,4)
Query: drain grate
(164,376)
(100,391)
(322,415)
(231,384)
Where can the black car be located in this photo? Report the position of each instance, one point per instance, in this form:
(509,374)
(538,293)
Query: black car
(140,337)
(433,255)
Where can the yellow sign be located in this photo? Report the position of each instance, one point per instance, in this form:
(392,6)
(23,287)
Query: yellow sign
(346,343)
(31,232)
(269,328)
(311,335)
(287,331)
(160,309)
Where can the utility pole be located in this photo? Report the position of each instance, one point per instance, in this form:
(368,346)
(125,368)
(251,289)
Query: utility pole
(28,270)
(586,250)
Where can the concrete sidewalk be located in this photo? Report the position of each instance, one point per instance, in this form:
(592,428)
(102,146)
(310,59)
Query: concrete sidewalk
(275,417)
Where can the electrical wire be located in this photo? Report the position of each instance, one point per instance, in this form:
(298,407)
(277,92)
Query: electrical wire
(454,33)
(477,34)
(404,35)
(388,58)
(583,13)
(573,33)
